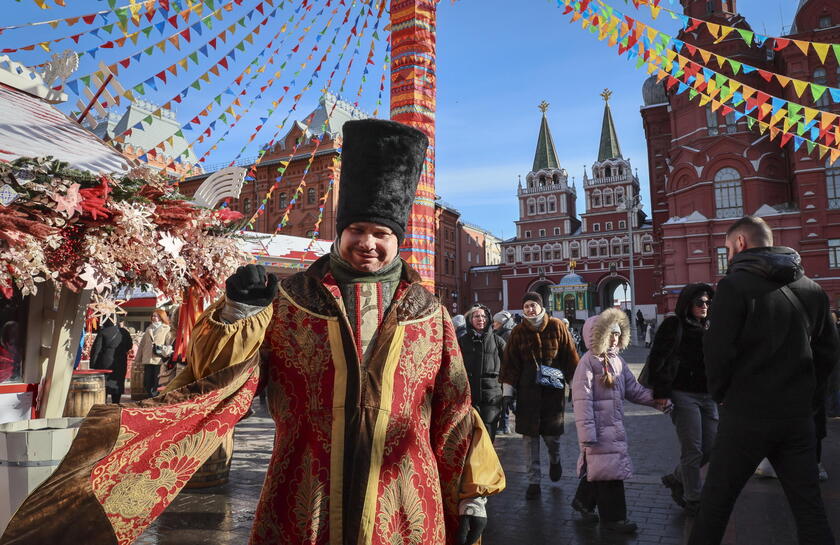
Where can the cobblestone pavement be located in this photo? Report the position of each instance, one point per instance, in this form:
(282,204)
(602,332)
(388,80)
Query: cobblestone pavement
(223,515)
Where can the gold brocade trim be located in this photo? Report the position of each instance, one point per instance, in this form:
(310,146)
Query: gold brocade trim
(435,314)
(285,294)
(378,447)
(337,435)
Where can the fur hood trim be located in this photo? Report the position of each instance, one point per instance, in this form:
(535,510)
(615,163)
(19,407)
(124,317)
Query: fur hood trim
(596,330)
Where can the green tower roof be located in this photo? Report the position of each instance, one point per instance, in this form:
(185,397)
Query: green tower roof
(609,148)
(545,156)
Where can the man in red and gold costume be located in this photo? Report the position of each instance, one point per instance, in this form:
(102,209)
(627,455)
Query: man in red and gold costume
(376,440)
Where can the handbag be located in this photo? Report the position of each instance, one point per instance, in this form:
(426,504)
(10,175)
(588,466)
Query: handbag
(161,350)
(550,377)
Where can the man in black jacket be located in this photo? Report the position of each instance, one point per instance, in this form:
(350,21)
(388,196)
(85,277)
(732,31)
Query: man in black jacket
(766,354)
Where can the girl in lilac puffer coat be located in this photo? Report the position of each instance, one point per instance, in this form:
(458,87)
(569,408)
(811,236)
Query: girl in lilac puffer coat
(601,383)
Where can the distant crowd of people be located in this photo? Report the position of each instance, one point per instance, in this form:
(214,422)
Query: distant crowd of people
(747,371)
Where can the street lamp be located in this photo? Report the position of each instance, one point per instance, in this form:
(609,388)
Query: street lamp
(632,206)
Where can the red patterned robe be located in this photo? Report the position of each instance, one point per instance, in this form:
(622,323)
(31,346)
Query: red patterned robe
(368,451)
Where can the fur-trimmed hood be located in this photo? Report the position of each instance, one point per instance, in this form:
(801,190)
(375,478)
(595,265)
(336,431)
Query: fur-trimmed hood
(596,330)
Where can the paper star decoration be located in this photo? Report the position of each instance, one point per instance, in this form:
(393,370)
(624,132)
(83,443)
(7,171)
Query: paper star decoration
(171,244)
(92,279)
(70,203)
(104,308)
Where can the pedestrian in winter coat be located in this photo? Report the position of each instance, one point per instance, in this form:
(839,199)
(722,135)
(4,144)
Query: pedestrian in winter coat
(460,324)
(770,346)
(482,351)
(155,346)
(503,324)
(538,340)
(677,372)
(648,335)
(110,351)
(601,384)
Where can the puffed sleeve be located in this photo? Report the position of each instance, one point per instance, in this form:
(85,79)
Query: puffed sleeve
(215,345)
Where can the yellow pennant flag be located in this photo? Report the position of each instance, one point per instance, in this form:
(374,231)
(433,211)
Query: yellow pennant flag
(802,45)
(748,92)
(835,154)
(827,119)
(183,63)
(714,29)
(800,86)
(822,50)
(654,11)
(671,55)
(705,55)
(55,23)
(734,86)
(787,124)
(45,46)
(774,132)
(823,151)
(762,127)
(724,33)
(205,77)
(784,80)
(133,37)
(810,114)
(704,99)
(652,33)
(721,61)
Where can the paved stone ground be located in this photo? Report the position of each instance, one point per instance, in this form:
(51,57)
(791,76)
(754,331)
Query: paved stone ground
(223,515)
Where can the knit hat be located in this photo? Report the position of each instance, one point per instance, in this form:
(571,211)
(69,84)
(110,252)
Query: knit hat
(532,296)
(381,162)
(503,317)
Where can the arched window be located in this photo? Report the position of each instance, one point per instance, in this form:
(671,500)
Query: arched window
(615,247)
(603,248)
(832,183)
(310,195)
(532,207)
(552,204)
(647,244)
(511,255)
(728,198)
(596,198)
(546,253)
(619,195)
(574,250)
(535,254)
(608,197)
(558,252)
(542,179)
(821,78)
(593,248)
(625,246)
(246,206)
(555,178)
(541,205)
(282,201)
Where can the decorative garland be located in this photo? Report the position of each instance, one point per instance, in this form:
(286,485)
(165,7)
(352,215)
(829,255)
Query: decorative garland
(97,233)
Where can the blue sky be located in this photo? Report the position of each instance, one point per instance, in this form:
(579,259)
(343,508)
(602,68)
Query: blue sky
(497,60)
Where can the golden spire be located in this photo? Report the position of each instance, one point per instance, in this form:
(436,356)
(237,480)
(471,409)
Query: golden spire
(543,106)
(606,94)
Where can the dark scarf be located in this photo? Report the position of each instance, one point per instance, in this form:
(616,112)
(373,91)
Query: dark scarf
(345,275)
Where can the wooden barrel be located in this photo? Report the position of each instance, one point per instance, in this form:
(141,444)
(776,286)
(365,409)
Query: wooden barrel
(216,469)
(138,391)
(87,388)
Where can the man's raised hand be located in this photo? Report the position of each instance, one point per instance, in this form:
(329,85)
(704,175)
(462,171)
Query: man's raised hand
(252,286)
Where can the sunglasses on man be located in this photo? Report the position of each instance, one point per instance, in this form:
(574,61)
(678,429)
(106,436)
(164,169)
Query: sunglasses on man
(700,303)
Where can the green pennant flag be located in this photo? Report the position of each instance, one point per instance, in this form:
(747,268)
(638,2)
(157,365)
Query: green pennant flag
(811,145)
(112,3)
(147,31)
(210,4)
(692,94)
(179,133)
(721,80)
(209,23)
(108,28)
(195,85)
(836,48)
(736,66)
(139,88)
(223,117)
(725,92)
(241,22)
(747,35)
(750,122)
(149,50)
(639,62)
(148,119)
(818,91)
(218,100)
(122,13)
(193,57)
(800,129)
(793,108)
(240,46)
(85,80)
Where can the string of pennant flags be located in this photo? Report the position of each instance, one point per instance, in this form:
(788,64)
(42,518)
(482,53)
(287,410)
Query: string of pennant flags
(110,27)
(195,84)
(123,13)
(254,76)
(646,41)
(721,32)
(609,23)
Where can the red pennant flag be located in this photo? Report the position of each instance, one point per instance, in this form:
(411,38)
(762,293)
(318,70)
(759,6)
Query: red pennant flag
(766,75)
(161,75)
(125,62)
(695,24)
(173,21)
(260,8)
(224,62)
(76,37)
(780,43)
(185,33)
(212,43)
(88,19)
(691,49)
(107,45)
(785,139)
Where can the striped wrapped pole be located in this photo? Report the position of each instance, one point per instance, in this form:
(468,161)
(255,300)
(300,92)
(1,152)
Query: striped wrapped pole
(413,87)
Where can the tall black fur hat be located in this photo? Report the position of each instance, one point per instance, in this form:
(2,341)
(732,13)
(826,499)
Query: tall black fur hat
(381,162)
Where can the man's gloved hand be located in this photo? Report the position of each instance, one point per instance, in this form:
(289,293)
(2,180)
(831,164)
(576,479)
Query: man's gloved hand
(250,285)
(470,529)
(507,401)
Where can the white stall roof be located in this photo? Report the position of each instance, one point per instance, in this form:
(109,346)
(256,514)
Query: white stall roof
(29,127)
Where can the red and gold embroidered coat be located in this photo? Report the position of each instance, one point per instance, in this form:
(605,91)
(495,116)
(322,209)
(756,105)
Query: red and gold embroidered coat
(370,451)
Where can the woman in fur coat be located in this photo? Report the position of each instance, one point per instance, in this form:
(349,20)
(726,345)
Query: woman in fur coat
(601,383)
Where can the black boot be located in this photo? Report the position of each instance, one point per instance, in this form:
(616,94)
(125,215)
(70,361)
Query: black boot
(586,515)
(620,526)
(555,471)
(676,487)
(533,492)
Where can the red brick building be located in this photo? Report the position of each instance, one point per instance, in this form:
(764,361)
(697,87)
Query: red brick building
(551,239)
(707,170)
